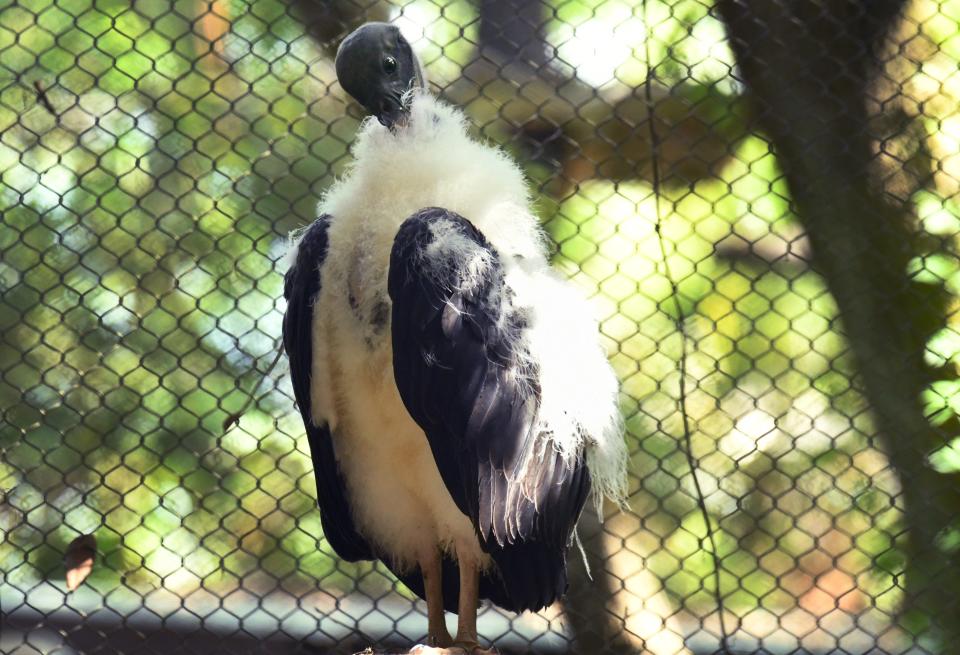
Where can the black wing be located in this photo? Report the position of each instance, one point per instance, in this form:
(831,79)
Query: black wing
(301,287)
(460,368)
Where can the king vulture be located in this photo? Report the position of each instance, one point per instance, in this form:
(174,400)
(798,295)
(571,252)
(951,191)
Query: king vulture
(457,403)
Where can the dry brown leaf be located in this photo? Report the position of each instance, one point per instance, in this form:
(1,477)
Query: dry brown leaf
(230,421)
(79,559)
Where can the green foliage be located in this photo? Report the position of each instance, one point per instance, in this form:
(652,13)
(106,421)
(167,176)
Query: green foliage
(141,234)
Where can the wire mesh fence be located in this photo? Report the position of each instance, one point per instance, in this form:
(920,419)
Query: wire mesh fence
(155,156)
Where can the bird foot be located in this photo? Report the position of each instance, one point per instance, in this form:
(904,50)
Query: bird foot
(472,648)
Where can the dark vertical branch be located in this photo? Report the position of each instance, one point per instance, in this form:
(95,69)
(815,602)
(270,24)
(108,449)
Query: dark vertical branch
(593,626)
(513,36)
(328,21)
(514,31)
(809,67)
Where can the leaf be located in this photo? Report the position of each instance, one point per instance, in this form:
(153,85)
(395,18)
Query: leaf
(230,421)
(79,559)
(946,459)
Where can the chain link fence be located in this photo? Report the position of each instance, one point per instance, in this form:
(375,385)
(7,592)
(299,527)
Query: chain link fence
(154,156)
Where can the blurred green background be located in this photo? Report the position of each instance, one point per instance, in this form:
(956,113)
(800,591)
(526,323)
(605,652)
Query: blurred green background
(141,242)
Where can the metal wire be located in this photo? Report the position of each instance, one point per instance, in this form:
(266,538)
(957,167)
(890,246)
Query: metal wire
(154,158)
(680,329)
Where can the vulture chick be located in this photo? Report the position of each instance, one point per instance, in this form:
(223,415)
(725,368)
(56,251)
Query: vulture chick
(458,405)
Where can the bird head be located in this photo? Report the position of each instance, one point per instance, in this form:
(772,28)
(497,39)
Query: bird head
(376,66)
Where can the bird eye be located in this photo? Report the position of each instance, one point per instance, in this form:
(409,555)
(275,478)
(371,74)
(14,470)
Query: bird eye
(389,64)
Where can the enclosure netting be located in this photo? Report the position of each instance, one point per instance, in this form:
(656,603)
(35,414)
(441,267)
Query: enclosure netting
(154,157)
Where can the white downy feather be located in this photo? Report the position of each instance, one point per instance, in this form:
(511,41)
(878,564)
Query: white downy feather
(432,161)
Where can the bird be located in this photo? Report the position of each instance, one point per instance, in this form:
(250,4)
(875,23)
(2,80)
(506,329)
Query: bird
(458,404)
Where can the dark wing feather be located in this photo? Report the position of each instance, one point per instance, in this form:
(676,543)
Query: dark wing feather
(301,287)
(459,366)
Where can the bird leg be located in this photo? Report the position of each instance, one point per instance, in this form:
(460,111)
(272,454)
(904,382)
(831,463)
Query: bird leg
(436,623)
(467,609)
(467,605)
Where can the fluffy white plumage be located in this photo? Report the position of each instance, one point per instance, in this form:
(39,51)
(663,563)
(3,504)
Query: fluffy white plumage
(433,161)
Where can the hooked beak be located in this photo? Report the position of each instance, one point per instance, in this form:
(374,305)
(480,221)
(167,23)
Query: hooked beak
(392,112)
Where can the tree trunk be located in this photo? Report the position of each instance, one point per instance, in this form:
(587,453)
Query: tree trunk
(809,66)
(514,31)
(513,40)
(329,21)
(594,628)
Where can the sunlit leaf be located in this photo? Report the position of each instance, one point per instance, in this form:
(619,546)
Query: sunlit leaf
(79,560)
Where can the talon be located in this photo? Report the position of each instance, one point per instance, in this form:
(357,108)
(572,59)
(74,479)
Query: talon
(439,641)
(474,648)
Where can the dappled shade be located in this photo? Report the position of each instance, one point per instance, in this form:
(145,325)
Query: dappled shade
(155,157)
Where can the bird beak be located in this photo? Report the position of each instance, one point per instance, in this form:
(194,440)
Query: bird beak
(392,113)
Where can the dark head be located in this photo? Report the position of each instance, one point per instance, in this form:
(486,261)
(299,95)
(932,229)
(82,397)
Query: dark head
(376,66)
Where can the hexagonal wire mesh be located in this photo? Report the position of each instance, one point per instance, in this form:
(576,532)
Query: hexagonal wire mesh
(155,156)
